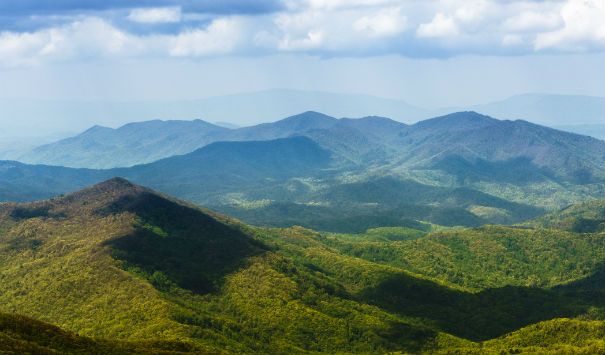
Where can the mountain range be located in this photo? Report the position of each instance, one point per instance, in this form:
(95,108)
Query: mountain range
(359,140)
(21,117)
(312,169)
(120,268)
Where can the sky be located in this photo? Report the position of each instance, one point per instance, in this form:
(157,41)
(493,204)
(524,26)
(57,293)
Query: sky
(430,53)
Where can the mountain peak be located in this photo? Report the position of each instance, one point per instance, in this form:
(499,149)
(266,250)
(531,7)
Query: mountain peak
(468,115)
(310,115)
(96,129)
(115,183)
(463,120)
(100,195)
(301,122)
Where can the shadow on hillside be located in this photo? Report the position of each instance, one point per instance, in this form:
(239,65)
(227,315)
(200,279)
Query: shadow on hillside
(518,171)
(489,313)
(175,245)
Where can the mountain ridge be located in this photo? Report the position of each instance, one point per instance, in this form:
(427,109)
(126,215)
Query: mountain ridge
(304,158)
(138,143)
(130,144)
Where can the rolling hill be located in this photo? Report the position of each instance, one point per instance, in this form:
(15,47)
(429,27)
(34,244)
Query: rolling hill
(23,335)
(584,217)
(230,167)
(124,263)
(220,166)
(131,144)
(379,201)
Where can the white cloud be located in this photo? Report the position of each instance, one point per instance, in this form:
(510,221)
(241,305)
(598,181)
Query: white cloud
(387,22)
(87,38)
(334,31)
(583,29)
(441,26)
(532,21)
(471,10)
(346,4)
(327,27)
(155,15)
(222,36)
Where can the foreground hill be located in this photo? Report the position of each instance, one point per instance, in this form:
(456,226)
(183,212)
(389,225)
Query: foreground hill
(117,260)
(22,335)
(140,266)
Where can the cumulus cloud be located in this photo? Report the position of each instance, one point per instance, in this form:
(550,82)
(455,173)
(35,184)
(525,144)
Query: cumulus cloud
(317,27)
(386,22)
(531,21)
(583,29)
(440,26)
(155,15)
(87,38)
(342,4)
(222,36)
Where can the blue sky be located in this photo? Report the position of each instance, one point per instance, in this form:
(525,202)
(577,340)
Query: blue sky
(431,53)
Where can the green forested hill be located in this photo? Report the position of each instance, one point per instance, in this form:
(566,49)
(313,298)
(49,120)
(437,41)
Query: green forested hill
(22,335)
(486,257)
(583,217)
(118,261)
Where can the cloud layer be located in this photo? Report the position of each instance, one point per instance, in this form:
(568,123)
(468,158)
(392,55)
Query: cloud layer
(37,32)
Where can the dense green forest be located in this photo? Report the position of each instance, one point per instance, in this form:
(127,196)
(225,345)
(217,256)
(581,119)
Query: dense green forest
(23,335)
(129,270)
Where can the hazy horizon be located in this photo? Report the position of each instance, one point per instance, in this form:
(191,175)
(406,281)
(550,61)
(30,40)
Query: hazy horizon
(49,119)
(432,55)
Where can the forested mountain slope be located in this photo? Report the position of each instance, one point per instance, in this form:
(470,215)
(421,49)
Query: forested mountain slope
(120,261)
(220,166)
(482,141)
(586,217)
(22,335)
